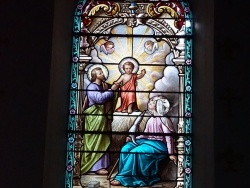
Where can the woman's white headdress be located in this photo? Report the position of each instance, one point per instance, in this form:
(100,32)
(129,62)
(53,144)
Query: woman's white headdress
(162,106)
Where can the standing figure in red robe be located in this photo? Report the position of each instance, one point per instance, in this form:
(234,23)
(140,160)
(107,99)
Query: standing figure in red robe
(127,84)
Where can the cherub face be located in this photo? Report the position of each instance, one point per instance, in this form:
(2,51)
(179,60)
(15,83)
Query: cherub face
(109,47)
(128,69)
(149,47)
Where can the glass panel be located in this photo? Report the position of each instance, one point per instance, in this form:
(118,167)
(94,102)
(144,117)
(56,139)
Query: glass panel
(130,113)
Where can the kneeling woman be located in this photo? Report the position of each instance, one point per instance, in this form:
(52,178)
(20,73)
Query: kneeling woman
(140,158)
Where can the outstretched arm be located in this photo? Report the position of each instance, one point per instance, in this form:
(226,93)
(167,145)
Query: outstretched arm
(119,80)
(117,83)
(143,72)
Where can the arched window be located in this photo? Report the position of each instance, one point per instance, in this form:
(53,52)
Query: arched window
(130,114)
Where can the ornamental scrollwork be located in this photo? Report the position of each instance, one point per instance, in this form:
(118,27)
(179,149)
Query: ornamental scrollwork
(109,10)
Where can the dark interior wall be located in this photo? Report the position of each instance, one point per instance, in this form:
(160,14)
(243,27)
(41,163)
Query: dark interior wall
(25,57)
(203,89)
(231,94)
(28,55)
(55,153)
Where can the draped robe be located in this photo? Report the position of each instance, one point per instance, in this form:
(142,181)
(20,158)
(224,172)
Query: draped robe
(128,94)
(91,158)
(139,164)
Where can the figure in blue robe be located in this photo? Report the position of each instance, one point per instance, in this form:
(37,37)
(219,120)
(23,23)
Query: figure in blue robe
(140,158)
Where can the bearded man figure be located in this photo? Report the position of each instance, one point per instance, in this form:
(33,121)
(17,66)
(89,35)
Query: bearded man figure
(95,142)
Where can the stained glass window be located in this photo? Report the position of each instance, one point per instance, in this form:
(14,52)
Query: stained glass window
(130,113)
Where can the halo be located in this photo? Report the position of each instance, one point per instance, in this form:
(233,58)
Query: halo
(103,67)
(132,60)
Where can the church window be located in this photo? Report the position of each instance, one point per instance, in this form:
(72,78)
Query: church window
(130,113)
